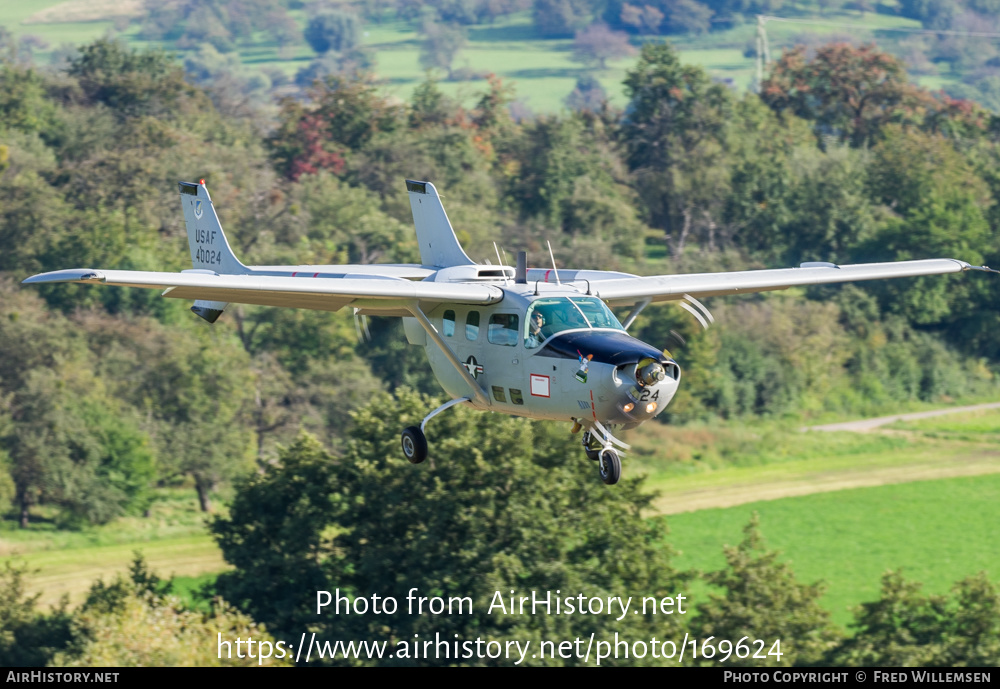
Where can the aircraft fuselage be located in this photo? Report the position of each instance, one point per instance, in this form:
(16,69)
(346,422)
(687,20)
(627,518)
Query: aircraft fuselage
(566,370)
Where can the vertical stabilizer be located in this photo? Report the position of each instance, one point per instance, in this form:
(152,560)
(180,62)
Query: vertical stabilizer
(210,250)
(438,244)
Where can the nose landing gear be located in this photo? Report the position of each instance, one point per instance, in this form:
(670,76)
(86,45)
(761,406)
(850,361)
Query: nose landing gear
(599,445)
(610,466)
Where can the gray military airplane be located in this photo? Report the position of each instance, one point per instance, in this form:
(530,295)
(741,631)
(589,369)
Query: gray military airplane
(541,343)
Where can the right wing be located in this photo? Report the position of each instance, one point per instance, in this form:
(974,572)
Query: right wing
(375,294)
(627,291)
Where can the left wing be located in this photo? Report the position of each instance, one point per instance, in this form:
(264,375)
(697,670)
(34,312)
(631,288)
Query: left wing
(626,291)
(376,294)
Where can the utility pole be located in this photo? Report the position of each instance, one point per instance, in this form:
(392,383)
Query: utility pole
(763,52)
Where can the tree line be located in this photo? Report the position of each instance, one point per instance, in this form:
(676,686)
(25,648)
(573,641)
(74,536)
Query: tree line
(104,393)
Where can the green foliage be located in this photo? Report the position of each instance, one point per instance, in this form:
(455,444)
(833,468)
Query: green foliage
(345,115)
(568,176)
(761,599)
(560,18)
(222,24)
(503,505)
(673,140)
(906,628)
(134,622)
(337,31)
(98,403)
(131,83)
(852,93)
(442,42)
(24,105)
(198,388)
(28,638)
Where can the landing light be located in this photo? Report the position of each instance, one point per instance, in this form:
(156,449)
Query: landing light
(650,407)
(628,407)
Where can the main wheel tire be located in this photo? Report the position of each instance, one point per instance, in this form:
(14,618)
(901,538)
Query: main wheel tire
(610,466)
(592,449)
(414,445)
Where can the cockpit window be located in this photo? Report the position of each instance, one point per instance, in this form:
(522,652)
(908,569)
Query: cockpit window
(551,315)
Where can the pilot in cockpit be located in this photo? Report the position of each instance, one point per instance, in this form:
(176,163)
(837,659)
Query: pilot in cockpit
(535,334)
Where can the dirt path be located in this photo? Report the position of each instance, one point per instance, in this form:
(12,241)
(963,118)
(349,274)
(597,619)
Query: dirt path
(802,479)
(865,425)
(806,482)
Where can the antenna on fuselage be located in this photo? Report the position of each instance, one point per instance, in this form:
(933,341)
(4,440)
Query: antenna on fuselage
(500,263)
(554,269)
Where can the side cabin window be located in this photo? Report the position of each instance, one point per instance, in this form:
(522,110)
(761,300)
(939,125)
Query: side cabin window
(503,329)
(448,323)
(472,326)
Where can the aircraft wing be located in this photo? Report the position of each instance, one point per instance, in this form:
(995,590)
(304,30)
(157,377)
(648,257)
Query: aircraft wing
(373,293)
(626,291)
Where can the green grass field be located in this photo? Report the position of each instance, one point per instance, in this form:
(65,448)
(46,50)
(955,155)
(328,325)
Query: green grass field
(173,539)
(937,532)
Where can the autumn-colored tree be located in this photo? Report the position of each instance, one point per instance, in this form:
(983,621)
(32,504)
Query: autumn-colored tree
(342,115)
(853,93)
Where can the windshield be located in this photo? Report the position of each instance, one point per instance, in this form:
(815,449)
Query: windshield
(552,315)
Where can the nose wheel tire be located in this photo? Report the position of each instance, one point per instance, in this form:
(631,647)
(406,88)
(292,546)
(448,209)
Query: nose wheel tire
(415,445)
(610,466)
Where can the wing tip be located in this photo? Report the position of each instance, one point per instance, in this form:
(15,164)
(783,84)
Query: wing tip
(72,275)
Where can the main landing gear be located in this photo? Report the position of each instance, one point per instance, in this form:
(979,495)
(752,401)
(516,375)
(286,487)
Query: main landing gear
(598,444)
(414,444)
(414,440)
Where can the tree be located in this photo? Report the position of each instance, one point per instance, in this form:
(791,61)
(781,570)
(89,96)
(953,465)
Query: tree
(557,18)
(588,94)
(342,117)
(673,136)
(569,178)
(501,504)
(940,205)
(762,600)
(904,627)
(442,42)
(645,20)
(688,16)
(196,393)
(337,31)
(129,82)
(28,638)
(854,93)
(136,622)
(597,44)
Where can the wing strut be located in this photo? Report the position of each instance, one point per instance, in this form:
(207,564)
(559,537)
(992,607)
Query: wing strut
(634,313)
(477,391)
